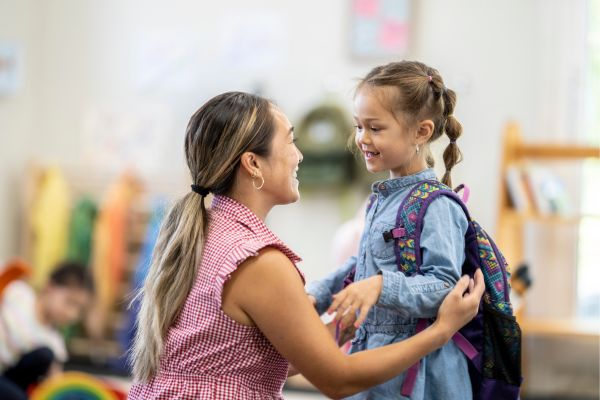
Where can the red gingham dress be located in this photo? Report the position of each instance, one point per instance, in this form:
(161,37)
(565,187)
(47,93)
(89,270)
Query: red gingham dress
(208,355)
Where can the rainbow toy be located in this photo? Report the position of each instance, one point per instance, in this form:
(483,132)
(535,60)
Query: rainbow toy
(75,386)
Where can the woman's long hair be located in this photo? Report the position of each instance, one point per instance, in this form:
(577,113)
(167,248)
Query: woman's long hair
(217,135)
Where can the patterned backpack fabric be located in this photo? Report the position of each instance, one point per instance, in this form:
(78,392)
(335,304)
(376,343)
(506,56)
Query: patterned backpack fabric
(492,340)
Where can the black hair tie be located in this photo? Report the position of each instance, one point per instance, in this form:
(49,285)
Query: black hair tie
(202,191)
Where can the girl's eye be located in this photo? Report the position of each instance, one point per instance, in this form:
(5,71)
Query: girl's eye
(373,129)
(358,128)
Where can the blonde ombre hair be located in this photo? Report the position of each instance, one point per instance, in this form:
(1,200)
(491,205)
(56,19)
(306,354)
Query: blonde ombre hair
(224,128)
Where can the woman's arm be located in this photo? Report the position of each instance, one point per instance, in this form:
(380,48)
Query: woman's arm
(269,292)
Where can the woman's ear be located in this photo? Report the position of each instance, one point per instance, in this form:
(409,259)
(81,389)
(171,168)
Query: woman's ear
(250,163)
(424,131)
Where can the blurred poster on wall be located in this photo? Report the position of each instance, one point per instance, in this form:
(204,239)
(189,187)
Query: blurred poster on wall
(253,41)
(166,61)
(10,68)
(380,28)
(118,137)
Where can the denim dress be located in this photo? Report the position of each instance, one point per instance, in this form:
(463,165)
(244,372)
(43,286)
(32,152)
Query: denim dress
(443,374)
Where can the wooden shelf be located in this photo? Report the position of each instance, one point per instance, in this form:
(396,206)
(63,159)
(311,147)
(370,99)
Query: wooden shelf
(556,152)
(553,219)
(560,327)
(510,233)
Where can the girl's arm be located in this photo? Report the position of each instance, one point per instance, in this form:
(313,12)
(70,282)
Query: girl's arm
(443,253)
(269,291)
(323,290)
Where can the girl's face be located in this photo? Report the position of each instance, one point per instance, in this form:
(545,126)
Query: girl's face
(384,138)
(280,174)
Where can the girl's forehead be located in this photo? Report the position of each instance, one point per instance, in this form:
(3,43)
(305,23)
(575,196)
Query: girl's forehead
(373,100)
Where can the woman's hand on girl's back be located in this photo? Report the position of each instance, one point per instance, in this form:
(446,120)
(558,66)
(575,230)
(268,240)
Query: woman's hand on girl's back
(461,305)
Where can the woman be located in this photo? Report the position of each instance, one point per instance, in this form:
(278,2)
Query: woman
(223,308)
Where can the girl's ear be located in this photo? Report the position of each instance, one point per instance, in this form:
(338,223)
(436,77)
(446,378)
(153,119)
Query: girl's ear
(250,162)
(424,131)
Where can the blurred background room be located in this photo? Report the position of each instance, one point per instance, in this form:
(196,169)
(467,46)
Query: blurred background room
(95,97)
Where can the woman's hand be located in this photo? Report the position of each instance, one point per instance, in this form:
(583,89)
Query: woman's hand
(357,297)
(341,336)
(460,305)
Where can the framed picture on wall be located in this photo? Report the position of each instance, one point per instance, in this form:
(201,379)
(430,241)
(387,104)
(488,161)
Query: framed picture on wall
(9,68)
(380,28)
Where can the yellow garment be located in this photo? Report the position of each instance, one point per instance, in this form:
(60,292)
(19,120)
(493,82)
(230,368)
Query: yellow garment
(49,224)
(109,254)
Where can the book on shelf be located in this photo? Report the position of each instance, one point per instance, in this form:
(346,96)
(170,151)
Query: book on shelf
(549,191)
(517,189)
(536,189)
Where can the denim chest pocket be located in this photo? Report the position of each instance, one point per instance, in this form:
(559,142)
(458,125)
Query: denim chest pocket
(381,249)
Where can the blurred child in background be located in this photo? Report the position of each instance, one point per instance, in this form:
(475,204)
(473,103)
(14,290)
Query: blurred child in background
(31,347)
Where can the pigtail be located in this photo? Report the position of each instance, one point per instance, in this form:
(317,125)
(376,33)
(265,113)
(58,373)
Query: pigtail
(453,130)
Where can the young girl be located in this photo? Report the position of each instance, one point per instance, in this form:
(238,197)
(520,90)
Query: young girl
(400,108)
(223,309)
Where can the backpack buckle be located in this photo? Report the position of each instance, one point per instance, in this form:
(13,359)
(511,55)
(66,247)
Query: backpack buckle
(393,234)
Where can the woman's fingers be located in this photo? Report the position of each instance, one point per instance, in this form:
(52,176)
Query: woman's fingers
(479,285)
(479,281)
(461,286)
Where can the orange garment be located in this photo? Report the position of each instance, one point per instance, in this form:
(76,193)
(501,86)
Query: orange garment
(109,254)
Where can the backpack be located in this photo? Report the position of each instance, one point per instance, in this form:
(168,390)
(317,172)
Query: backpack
(492,340)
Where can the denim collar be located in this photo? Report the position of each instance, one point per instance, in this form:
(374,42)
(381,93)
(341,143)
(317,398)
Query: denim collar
(389,186)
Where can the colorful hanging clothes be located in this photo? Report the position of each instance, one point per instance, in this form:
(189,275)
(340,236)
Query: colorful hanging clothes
(127,333)
(49,224)
(81,231)
(110,244)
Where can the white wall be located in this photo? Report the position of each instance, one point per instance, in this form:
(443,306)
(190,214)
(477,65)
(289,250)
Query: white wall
(92,56)
(17,116)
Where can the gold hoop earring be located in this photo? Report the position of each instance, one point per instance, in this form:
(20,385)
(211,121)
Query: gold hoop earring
(261,184)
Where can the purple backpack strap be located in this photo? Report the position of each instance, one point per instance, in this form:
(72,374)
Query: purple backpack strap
(409,219)
(467,348)
(411,374)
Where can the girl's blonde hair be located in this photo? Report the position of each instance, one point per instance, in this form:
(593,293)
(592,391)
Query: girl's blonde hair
(421,93)
(217,135)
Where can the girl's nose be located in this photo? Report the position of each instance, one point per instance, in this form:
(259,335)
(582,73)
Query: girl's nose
(363,137)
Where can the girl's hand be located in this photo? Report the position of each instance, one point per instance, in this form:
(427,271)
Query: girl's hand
(460,305)
(359,296)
